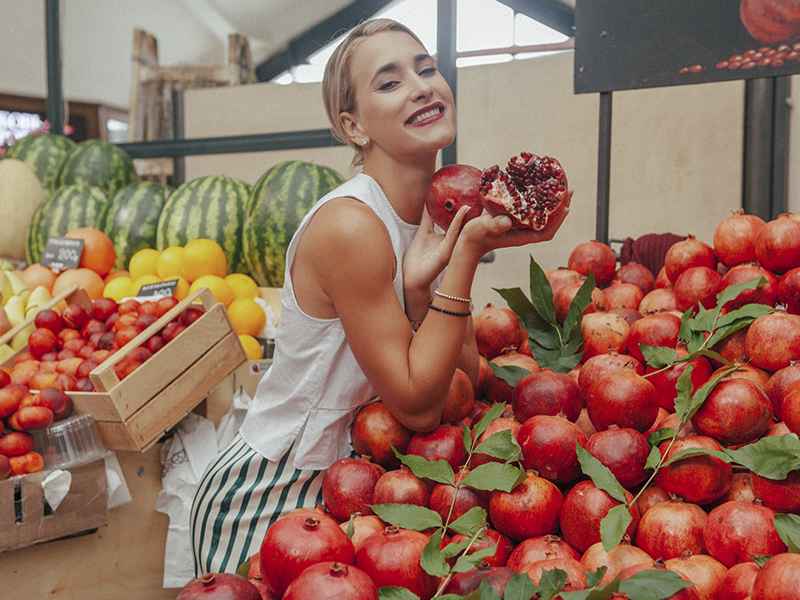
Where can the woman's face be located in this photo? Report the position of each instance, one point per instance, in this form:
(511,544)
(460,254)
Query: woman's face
(403,104)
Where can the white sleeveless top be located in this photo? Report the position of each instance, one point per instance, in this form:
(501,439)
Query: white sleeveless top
(315,387)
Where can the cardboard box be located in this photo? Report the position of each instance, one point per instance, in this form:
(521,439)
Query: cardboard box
(133,414)
(26,520)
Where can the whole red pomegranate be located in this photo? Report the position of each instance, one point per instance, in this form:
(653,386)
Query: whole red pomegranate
(340,582)
(686,254)
(623,555)
(766,294)
(496,426)
(490,539)
(734,237)
(781,495)
(666,380)
(658,300)
(348,485)
(450,188)
(658,329)
(401,486)
(375,431)
(548,447)
(773,340)
(584,507)
(771,21)
(698,479)
(740,490)
(532,190)
(219,586)
(697,286)
(779,578)
(736,411)
(704,571)
(623,295)
(624,451)
(496,388)
(561,277)
(532,508)
(363,527)
(460,398)
(576,578)
(630,315)
(687,593)
(670,528)
(649,497)
(497,329)
(295,542)
(595,257)
(547,393)
(534,549)
(451,503)
(603,331)
(446,442)
(777,245)
(637,274)
(622,398)
(744,370)
(603,363)
(392,558)
(497,577)
(737,531)
(738,581)
(789,291)
(564,297)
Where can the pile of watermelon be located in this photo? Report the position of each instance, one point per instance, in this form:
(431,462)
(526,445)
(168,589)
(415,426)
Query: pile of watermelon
(94,184)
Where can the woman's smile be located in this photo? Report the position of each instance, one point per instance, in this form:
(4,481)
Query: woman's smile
(426,115)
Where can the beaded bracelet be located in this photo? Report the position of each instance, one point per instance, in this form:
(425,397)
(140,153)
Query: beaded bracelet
(456,298)
(448,312)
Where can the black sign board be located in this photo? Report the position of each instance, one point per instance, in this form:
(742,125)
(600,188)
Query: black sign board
(62,253)
(631,44)
(162,289)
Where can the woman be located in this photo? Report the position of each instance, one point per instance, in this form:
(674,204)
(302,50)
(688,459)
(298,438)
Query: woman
(365,310)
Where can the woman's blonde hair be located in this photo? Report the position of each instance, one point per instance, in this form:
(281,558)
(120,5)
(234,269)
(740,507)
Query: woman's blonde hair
(337,85)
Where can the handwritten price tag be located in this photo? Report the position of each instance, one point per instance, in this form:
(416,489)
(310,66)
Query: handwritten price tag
(62,253)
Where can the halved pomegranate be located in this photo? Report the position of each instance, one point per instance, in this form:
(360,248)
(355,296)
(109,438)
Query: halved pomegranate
(531,190)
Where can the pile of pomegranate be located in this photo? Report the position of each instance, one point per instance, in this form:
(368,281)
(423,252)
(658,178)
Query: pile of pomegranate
(63,349)
(544,480)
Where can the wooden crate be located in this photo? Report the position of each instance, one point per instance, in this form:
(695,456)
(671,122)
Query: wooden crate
(133,414)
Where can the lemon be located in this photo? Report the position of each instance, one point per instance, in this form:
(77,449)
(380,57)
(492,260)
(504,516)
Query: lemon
(252,348)
(118,288)
(243,286)
(169,263)
(221,291)
(247,316)
(144,262)
(203,257)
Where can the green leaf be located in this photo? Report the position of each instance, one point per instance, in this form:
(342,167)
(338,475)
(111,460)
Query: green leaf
(788,527)
(511,374)
(476,595)
(655,455)
(594,593)
(520,587)
(544,357)
(687,412)
(490,415)
(439,471)
(658,356)
(601,475)
(551,583)
(466,435)
(613,526)
(467,562)
(542,294)
(487,591)
(494,476)
(579,303)
(738,319)
(470,522)
(529,318)
(396,593)
(408,516)
(454,548)
(655,438)
(431,559)
(772,457)
(244,569)
(594,578)
(733,291)
(691,452)
(684,389)
(351,526)
(760,559)
(651,583)
(502,445)
(564,361)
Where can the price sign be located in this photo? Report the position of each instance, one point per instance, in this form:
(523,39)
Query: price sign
(62,253)
(155,291)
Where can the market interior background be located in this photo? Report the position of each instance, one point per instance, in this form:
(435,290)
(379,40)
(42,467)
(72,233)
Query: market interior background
(676,166)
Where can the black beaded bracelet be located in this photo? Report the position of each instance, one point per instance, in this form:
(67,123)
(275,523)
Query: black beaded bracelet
(448,312)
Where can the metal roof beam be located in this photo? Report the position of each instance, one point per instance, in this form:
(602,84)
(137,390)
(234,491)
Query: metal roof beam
(552,13)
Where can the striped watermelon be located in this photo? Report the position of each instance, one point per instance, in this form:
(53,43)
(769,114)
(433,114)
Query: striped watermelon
(131,218)
(97,163)
(206,207)
(69,207)
(279,201)
(41,152)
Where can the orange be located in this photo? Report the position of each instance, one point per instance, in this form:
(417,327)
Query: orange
(98,250)
(81,277)
(247,316)
(35,275)
(145,279)
(118,288)
(144,263)
(182,289)
(203,257)
(252,348)
(221,291)
(243,286)
(115,274)
(169,262)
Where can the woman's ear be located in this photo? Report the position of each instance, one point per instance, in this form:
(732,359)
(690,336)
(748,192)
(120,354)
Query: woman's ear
(350,127)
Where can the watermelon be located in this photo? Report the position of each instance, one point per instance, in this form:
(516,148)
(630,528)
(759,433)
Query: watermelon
(41,152)
(69,207)
(96,163)
(207,207)
(131,218)
(279,201)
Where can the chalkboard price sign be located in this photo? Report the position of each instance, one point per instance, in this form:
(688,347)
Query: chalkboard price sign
(155,291)
(62,253)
